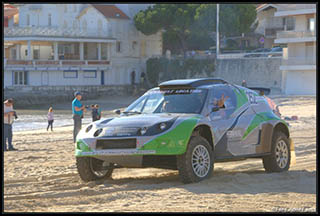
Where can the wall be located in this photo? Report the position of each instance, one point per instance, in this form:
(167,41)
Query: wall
(258,72)
(55,94)
(300,83)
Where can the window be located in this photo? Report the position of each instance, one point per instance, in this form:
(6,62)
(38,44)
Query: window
(36,54)
(134,45)
(290,23)
(99,25)
(90,74)
(229,105)
(104,51)
(74,8)
(49,20)
(70,74)
(84,25)
(311,24)
(65,8)
(28,20)
(118,46)
(75,25)
(65,24)
(20,77)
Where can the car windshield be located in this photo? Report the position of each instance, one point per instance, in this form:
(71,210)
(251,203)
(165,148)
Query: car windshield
(169,101)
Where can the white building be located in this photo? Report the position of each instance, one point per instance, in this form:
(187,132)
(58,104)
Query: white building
(76,44)
(299,63)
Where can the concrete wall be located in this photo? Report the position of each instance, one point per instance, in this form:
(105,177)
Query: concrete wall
(258,72)
(300,82)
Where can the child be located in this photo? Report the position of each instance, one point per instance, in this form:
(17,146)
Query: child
(94,113)
(50,118)
(98,112)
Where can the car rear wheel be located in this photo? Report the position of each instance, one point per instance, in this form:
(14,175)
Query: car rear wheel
(196,163)
(91,169)
(279,160)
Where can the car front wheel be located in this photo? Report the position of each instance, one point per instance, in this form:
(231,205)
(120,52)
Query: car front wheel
(91,169)
(196,163)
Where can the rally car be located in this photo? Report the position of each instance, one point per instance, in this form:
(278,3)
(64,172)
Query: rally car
(187,125)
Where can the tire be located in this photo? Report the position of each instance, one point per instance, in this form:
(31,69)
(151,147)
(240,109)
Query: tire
(188,162)
(280,157)
(89,169)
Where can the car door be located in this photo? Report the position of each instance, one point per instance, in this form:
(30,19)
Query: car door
(222,120)
(243,137)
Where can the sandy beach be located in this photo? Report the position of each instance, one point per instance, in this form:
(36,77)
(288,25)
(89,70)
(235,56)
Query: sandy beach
(42,177)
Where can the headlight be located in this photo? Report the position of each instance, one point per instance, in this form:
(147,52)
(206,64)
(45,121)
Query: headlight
(97,132)
(163,126)
(143,130)
(88,128)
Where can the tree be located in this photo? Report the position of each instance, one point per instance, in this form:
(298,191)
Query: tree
(234,18)
(175,19)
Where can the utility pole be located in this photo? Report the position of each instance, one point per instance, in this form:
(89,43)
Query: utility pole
(217,30)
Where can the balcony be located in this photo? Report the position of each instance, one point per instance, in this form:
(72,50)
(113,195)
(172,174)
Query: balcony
(55,32)
(299,63)
(272,32)
(295,36)
(55,65)
(295,9)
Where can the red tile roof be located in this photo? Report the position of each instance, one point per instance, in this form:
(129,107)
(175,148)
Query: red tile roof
(9,11)
(110,11)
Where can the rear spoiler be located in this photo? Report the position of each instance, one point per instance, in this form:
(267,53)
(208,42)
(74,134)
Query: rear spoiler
(266,91)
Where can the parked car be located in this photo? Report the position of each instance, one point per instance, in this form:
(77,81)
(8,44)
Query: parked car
(187,125)
(261,52)
(275,52)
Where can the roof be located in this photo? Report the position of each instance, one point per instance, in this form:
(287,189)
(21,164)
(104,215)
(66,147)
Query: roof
(265,6)
(10,11)
(110,11)
(191,83)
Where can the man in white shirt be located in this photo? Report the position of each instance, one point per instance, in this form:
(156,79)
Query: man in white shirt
(8,118)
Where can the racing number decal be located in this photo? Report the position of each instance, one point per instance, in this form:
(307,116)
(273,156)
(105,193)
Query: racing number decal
(251,97)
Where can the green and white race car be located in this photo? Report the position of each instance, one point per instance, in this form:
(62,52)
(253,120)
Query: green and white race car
(186,125)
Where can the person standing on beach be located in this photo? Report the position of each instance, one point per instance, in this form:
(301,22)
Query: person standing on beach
(77,111)
(98,112)
(94,113)
(50,118)
(8,117)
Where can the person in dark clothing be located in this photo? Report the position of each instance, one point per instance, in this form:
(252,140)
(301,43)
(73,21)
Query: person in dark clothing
(94,113)
(244,83)
(133,77)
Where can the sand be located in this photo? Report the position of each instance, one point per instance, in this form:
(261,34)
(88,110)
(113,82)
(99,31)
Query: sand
(42,177)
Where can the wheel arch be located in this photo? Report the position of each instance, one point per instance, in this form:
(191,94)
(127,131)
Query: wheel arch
(281,127)
(204,131)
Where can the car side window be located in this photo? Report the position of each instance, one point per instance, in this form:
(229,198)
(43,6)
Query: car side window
(223,97)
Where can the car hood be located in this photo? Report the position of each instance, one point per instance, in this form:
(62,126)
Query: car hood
(141,120)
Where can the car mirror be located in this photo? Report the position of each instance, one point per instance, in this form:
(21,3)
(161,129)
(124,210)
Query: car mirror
(215,109)
(117,112)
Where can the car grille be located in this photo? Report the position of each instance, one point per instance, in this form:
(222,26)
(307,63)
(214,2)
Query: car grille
(116,144)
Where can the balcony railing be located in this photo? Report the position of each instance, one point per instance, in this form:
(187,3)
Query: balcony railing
(292,61)
(37,63)
(290,7)
(55,32)
(272,32)
(296,34)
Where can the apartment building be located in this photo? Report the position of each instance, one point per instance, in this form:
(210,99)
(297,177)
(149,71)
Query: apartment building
(75,45)
(299,64)
(269,24)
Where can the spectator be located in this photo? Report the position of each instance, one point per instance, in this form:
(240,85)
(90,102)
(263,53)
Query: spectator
(77,111)
(133,77)
(244,83)
(50,119)
(98,112)
(8,117)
